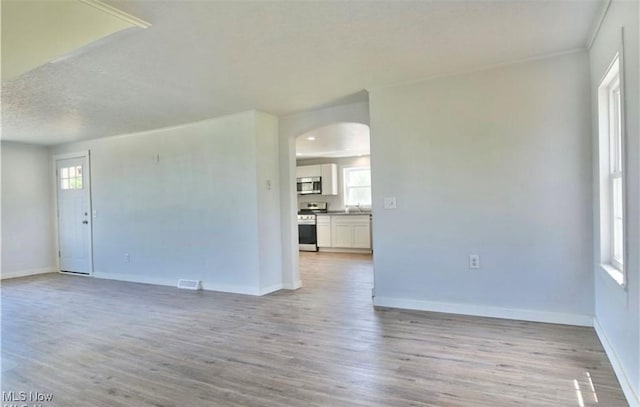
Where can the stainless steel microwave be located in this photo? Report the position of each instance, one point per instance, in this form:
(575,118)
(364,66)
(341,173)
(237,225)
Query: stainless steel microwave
(309,185)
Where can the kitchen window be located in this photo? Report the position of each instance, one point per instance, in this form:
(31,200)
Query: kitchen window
(611,169)
(357,186)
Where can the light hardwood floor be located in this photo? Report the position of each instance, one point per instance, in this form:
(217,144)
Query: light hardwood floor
(95,342)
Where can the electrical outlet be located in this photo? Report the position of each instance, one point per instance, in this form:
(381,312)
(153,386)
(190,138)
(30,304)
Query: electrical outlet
(474,261)
(127,258)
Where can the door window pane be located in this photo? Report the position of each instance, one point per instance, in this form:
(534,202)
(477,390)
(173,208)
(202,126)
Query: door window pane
(71,177)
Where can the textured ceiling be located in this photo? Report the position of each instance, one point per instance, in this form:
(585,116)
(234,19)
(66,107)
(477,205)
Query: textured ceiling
(36,32)
(202,59)
(334,140)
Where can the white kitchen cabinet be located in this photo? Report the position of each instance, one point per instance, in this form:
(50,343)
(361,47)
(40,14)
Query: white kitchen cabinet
(352,231)
(307,171)
(329,174)
(362,236)
(323,230)
(342,235)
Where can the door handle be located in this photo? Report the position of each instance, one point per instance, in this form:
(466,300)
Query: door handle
(84,222)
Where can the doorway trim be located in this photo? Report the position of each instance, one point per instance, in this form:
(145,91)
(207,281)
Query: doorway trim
(56,211)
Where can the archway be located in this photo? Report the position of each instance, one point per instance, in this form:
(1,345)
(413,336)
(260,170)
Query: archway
(291,127)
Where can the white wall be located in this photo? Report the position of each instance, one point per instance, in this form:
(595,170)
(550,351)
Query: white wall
(495,163)
(27,226)
(335,202)
(268,186)
(291,126)
(618,311)
(193,214)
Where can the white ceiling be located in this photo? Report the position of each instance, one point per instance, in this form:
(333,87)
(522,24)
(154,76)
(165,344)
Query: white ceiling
(334,141)
(202,59)
(36,32)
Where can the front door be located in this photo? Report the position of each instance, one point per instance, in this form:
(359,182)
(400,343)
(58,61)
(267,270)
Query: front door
(74,214)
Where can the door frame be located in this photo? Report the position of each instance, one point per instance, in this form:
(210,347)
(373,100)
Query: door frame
(56,212)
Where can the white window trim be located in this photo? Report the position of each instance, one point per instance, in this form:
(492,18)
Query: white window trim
(346,187)
(609,170)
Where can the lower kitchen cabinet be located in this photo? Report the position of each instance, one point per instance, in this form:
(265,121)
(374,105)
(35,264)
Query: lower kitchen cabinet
(362,236)
(341,234)
(353,231)
(323,230)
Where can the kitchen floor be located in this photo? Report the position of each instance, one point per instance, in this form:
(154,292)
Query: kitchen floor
(91,342)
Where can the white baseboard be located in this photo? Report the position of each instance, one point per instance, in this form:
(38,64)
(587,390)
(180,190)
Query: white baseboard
(173,282)
(485,311)
(271,288)
(233,289)
(292,286)
(29,272)
(135,279)
(344,250)
(618,368)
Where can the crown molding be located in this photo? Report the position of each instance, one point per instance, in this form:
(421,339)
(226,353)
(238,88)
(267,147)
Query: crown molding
(598,23)
(97,4)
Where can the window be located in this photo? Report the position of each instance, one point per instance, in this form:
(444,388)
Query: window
(611,155)
(71,177)
(357,186)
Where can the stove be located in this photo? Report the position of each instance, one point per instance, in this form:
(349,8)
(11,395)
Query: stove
(312,207)
(307,237)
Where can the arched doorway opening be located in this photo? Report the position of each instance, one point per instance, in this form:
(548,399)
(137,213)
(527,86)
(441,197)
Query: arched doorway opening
(333,205)
(292,126)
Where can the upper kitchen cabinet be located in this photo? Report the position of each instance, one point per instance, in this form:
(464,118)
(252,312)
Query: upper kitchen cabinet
(327,172)
(308,171)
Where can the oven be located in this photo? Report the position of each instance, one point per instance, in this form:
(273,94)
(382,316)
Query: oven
(307,238)
(307,230)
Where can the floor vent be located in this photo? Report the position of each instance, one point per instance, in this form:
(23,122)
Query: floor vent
(189,284)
